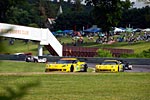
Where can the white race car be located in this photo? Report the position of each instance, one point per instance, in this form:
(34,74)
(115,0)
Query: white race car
(126,65)
(35,59)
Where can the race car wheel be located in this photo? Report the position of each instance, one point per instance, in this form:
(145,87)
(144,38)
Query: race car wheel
(27,60)
(46,70)
(123,69)
(129,68)
(35,60)
(118,69)
(85,68)
(72,68)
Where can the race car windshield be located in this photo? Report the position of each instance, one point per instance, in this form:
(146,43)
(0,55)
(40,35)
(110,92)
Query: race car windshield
(66,61)
(109,63)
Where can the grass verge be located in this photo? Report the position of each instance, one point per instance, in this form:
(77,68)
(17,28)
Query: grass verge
(101,86)
(14,66)
(69,86)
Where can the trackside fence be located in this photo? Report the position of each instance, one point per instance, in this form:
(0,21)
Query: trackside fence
(78,51)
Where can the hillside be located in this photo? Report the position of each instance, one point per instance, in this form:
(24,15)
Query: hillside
(32,47)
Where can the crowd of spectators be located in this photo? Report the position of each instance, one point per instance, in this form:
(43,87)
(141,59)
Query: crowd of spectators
(134,37)
(102,38)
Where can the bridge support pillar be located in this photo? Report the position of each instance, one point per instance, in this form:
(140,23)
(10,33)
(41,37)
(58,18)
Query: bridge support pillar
(40,50)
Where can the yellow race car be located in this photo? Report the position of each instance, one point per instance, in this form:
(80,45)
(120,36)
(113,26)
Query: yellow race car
(67,65)
(109,66)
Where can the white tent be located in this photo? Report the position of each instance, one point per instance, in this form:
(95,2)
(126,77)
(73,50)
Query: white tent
(118,30)
(146,30)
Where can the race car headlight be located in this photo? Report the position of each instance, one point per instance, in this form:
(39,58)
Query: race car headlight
(97,67)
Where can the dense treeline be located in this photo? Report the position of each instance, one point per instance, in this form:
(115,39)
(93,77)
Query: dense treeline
(137,18)
(35,13)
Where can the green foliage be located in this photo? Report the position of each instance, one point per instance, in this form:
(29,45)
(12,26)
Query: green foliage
(146,53)
(19,91)
(5,5)
(107,13)
(143,54)
(73,20)
(104,53)
(139,18)
(135,55)
(18,16)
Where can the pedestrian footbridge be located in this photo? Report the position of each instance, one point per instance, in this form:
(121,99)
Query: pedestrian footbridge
(43,35)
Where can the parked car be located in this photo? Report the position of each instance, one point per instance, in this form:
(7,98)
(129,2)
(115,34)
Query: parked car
(109,66)
(31,58)
(67,65)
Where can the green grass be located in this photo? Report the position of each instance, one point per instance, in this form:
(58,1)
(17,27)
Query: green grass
(113,86)
(13,66)
(69,86)
(137,47)
(20,46)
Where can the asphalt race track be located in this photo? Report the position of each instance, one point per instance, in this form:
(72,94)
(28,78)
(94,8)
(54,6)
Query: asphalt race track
(140,68)
(136,68)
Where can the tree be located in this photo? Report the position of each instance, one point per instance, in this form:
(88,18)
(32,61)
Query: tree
(136,17)
(107,13)
(78,6)
(72,20)
(5,5)
(18,16)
